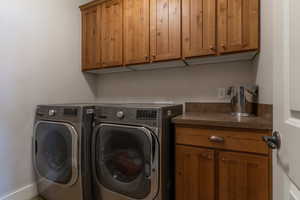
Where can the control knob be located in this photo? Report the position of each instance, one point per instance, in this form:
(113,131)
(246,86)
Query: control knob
(120,114)
(52,113)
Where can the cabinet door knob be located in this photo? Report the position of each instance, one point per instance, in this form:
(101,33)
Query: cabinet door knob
(223,46)
(216,139)
(204,155)
(212,47)
(207,156)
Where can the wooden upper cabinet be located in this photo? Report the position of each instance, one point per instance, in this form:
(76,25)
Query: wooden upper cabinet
(125,32)
(112,33)
(165,29)
(90,41)
(136,31)
(243,176)
(238,25)
(198,27)
(195,173)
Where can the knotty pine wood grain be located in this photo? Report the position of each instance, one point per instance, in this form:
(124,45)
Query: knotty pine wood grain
(112,33)
(238,25)
(165,29)
(235,140)
(243,176)
(195,173)
(198,28)
(136,31)
(90,39)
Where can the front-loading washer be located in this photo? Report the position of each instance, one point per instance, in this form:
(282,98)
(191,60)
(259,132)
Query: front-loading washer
(61,153)
(133,151)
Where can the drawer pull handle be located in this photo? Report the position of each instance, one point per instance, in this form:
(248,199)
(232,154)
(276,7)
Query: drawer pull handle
(216,139)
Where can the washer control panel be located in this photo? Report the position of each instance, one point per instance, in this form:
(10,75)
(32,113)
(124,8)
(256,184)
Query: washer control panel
(59,112)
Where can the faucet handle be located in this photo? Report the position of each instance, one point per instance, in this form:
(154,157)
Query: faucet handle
(230,91)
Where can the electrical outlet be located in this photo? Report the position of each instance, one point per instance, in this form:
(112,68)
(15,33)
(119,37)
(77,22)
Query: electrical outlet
(222,93)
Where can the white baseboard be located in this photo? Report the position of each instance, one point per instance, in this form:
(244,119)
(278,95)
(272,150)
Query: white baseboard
(24,193)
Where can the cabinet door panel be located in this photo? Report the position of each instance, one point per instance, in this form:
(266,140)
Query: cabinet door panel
(198,27)
(195,176)
(165,22)
(90,39)
(136,31)
(238,26)
(112,33)
(243,176)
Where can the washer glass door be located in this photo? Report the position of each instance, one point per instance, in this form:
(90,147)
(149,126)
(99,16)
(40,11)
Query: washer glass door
(124,159)
(56,152)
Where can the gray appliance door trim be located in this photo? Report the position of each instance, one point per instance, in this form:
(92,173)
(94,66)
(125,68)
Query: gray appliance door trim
(75,150)
(154,168)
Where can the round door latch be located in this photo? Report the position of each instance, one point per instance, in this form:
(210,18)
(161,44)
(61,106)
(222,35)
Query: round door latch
(274,141)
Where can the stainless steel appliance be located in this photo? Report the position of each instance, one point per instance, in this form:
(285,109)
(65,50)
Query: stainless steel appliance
(133,151)
(243,99)
(62,141)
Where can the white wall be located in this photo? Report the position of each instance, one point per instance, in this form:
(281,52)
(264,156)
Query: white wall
(198,83)
(264,63)
(39,64)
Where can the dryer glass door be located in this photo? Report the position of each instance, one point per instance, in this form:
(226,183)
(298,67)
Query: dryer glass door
(124,158)
(55,152)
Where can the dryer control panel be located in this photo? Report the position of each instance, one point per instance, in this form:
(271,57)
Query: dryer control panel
(146,114)
(125,115)
(59,113)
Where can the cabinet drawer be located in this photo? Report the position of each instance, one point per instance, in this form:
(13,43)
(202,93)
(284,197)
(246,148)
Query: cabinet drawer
(245,141)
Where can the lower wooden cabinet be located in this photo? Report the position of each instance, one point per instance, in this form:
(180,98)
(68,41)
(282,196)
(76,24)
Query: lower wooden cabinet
(243,176)
(195,173)
(212,173)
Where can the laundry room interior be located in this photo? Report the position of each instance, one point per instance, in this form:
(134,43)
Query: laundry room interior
(149,100)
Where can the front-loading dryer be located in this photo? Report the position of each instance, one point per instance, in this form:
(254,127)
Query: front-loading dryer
(133,151)
(62,156)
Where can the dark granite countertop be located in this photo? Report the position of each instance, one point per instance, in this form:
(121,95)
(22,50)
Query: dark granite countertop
(207,114)
(223,120)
